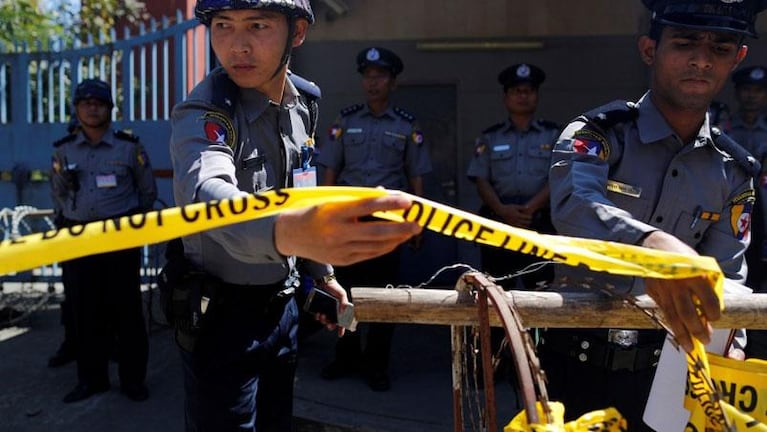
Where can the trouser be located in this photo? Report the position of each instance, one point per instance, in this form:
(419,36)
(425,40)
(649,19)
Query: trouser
(499,262)
(68,345)
(108,311)
(377,272)
(587,373)
(240,375)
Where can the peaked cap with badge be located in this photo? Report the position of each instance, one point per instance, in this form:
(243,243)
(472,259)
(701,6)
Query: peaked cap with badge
(381,57)
(92,88)
(521,73)
(750,75)
(736,16)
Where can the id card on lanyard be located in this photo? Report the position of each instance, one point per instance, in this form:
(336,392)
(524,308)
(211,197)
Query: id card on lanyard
(306,176)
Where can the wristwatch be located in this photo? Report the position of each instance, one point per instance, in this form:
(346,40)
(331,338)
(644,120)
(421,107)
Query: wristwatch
(326,279)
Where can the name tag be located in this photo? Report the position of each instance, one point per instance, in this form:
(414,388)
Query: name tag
(106,181)
(395,135)
(624,189)
(303,178)
(354,130)
(502,147)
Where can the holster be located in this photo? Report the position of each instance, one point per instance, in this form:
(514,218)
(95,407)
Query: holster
(185,294)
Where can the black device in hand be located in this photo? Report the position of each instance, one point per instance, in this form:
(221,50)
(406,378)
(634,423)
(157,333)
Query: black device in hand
(319,301)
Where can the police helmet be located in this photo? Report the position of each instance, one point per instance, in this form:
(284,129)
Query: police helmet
(92,88)
(521,73)
(736,16)
(381,57)
(205,9)
(750,75)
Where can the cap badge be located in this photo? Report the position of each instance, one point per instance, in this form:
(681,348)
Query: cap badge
(373,55)
(523,71)
(757,74)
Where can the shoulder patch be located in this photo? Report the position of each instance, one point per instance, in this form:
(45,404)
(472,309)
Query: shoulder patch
(734,150)
(351,109)
(218,128)
(126,136)
(740,214)
(64,140)
(592,138)
(404,114)
(493,128)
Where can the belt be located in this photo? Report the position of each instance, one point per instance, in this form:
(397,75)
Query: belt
(619,350)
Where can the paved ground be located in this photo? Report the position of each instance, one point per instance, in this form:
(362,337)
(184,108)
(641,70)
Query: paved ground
(420,399)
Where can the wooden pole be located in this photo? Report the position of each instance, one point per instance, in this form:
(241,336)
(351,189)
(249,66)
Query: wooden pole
(536,309)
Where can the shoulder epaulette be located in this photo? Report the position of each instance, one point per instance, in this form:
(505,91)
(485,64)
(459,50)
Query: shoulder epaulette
(493,128)
(121,134)
(404,114)
(739,154)
(546,124)
(351,109)
(609,115)
(226,92)
(64,140)
(307,88)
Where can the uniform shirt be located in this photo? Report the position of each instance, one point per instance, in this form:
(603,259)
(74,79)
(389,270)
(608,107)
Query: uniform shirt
(369,150)
(643,178)
(115,177)
(754,139)
(515,163)
(218,155)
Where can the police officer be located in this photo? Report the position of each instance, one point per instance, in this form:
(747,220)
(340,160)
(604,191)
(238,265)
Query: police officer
(66,352)
(248,128)
(101,173)
(374,144)
(510,168)
(642,173)
(749,128)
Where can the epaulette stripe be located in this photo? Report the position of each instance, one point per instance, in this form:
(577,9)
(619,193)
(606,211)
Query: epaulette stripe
(351,109)
(126,136)
(404,114)
(493,128)
(737,152)
(64,140)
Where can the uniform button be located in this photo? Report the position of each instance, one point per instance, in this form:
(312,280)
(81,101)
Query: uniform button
(585,345)
(697,235)
(659,219)
(582,357)
(674,173)
(656,353)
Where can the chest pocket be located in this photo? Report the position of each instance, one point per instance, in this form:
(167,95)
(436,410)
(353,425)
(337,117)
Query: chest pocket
(392,152)
(690,229)
(118,169)
(252,173)
(640,207)
(538,159)
(354,148)
(502,163)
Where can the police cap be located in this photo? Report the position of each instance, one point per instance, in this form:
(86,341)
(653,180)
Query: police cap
(381,57)
(93,89)
(736,16)
(750,75)
(204,10)
(521,73)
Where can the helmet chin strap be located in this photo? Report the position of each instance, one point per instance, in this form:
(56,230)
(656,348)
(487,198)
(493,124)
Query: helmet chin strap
(288,46)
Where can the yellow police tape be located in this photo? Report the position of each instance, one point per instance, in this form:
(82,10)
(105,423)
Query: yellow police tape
(608,420)
(743,388)
(28,252)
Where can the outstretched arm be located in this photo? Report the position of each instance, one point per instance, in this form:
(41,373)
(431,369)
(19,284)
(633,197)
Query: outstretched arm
(332,233)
